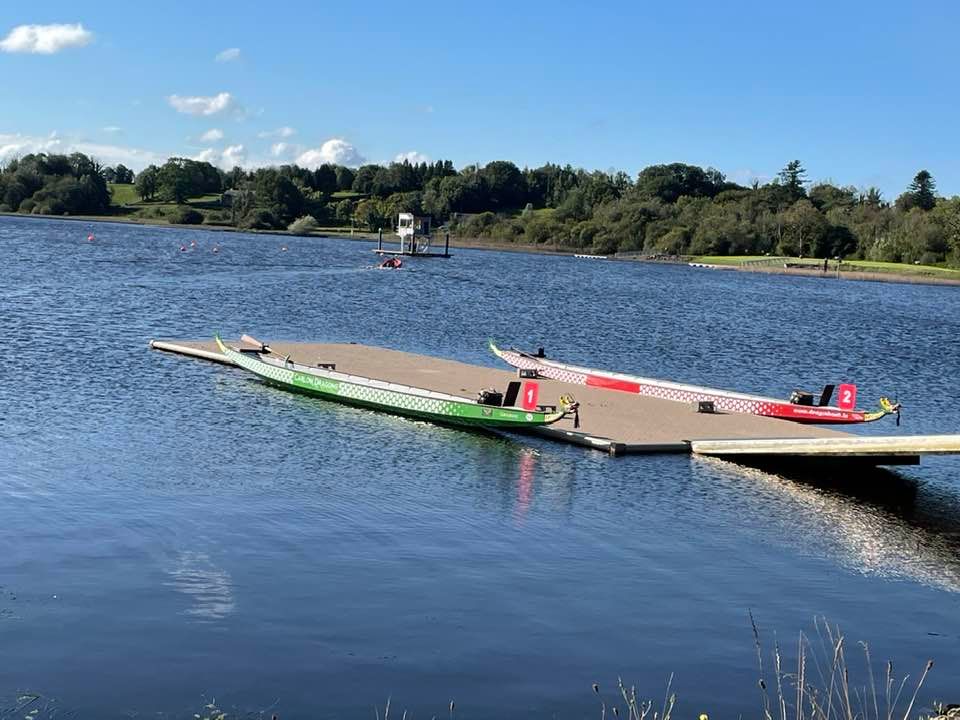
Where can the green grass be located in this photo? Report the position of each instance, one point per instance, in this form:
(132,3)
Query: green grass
(848,265)
(542,213)
(728,259)
(874,266)
(123,194)
(126,202)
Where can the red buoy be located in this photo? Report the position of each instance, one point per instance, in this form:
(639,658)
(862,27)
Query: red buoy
(90,237)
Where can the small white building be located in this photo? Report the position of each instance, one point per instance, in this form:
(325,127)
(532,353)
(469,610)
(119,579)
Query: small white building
(414,232)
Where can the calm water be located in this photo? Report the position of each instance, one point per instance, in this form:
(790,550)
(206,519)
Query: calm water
(173,531)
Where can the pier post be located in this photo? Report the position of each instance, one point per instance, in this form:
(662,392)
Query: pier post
(379,238)
(446,244)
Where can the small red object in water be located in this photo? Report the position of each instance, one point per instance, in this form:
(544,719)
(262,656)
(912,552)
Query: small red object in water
(394,263)
(90,237)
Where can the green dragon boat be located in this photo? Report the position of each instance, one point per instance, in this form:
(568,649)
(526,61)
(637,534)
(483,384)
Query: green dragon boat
(386,396)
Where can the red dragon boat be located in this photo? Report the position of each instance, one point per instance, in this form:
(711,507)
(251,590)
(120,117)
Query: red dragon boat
(802,407)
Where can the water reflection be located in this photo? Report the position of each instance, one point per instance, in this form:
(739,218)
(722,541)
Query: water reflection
(209,588)
(527,469)
(874,521)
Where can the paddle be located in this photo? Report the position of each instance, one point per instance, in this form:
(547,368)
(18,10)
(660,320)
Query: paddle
(250,340)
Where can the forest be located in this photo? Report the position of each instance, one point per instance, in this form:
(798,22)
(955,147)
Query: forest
(669,209)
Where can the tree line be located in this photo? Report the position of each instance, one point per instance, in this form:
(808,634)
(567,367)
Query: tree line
(669,209)
(54,185)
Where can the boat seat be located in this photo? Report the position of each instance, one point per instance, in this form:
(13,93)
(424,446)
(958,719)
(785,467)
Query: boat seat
(513,390)
(826,395)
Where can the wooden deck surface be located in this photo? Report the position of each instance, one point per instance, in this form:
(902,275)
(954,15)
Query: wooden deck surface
(630,422)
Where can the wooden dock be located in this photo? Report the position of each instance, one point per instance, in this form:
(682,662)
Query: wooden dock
(617,423)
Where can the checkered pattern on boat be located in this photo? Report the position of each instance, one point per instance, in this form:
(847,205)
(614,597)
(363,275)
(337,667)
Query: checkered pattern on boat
(378,396)
(525,363)
(390,398)
(721,402)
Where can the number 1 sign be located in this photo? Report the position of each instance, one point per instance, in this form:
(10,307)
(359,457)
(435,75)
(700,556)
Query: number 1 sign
(531,393)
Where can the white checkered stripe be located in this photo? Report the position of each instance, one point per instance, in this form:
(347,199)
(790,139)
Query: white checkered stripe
(378,396)
(403,401)
(525,363)
(721,402)
(271,372)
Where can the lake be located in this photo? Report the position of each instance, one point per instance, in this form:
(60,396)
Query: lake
(174,531)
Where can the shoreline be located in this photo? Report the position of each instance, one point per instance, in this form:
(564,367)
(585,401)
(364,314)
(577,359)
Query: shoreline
(363,235)
(856,275)
(480,244)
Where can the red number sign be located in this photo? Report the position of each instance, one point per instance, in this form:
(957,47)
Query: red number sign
(847,395)
(531,392)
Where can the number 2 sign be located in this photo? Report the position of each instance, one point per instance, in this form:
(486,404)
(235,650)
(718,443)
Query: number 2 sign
(531,393)
(848,396)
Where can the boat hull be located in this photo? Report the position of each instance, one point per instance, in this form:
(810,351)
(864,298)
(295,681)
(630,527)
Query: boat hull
(386,397)
(723,401)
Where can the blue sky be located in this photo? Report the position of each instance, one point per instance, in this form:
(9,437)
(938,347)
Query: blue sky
(861,93)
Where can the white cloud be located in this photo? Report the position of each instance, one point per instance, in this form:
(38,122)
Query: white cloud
(281,132)
(413,157)
(134,158)
(228,55)
(280,148)
(209,155)
(113,129)
(336,151)
(45,39)
(747,176)
(17,145)
(212,135)
(228,158)
(234,155)
(202,105)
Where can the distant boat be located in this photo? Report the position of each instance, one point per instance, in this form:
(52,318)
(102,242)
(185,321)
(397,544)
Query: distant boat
(389,397)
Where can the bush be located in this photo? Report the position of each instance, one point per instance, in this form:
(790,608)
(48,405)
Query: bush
(51,207)
(185,216)
(217,218)
(259,220)
(26,206)
(303,226)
